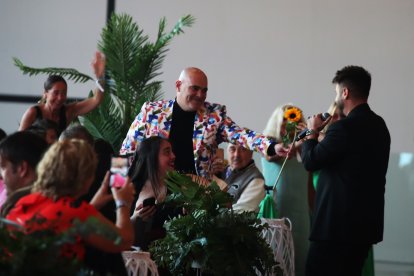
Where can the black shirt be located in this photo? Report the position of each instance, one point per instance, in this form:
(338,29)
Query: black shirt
(181,139)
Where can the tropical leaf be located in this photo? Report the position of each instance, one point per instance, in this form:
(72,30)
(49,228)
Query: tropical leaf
(210,235)
(69,73)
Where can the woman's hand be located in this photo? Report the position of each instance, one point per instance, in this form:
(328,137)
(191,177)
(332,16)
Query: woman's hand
(98,65)
(124,194)
(145,213)
(102,195)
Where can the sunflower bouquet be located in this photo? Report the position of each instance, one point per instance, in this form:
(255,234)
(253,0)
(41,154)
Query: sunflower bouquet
(292,116)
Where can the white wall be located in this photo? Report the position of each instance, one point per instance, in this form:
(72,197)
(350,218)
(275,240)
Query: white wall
(257,54)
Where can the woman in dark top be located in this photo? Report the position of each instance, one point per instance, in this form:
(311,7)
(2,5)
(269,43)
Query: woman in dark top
(53,104)
(153,159)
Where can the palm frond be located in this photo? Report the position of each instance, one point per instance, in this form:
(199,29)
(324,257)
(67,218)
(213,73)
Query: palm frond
(69,73)
(185,21)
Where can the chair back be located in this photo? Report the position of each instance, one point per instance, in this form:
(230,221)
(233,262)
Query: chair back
(139,263)
(279,237)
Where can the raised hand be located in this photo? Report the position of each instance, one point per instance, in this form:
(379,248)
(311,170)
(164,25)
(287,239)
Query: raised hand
(98,65)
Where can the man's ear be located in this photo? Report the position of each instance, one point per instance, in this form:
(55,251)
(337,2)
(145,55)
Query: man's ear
(23,169)
(345,93)
(178,85)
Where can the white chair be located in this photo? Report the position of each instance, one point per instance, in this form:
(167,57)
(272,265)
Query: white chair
(139,263)
(279,237)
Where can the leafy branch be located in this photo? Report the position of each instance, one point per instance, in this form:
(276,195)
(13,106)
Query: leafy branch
(69,73)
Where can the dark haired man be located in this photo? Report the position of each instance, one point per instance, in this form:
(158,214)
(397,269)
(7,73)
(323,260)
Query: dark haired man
(20,153)
(349,210)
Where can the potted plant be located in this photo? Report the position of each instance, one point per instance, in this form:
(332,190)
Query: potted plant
(210,237)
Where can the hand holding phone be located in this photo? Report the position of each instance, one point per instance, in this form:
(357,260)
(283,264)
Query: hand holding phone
(119,171)
(148,202)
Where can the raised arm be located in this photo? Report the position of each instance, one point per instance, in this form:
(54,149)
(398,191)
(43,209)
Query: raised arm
(89,104)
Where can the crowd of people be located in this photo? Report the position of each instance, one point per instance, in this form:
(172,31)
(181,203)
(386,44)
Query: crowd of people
(57,172)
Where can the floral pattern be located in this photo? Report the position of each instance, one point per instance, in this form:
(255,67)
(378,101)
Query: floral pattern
(212,126)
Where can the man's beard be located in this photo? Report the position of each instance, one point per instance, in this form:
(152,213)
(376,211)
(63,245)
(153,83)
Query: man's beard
(340,106)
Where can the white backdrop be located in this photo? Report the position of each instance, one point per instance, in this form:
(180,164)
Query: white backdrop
(257,55)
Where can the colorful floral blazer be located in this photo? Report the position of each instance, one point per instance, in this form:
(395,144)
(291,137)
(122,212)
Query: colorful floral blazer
(212,126)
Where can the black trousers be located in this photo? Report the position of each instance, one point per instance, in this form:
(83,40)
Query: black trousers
(336,259)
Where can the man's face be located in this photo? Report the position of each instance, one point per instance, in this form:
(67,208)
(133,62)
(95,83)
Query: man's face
(238,156)
(9,174)
(339,100)
(192,91)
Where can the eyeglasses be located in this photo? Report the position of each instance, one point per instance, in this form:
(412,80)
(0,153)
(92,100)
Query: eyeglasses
(196,88)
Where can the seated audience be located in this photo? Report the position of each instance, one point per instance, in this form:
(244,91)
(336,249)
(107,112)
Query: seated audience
(104,152)
(20,153)
(244,180)
(46,129)
(102,262)
(77,131)
(153,159)
(63,176)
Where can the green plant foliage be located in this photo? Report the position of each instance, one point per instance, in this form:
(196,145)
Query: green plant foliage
(132,65)
(38,252)
(68,73)
(211,236)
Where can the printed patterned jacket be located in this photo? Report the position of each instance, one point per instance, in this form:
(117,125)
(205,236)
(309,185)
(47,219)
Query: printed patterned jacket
(212,126)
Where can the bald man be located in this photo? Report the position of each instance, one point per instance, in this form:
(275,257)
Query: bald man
(194,127)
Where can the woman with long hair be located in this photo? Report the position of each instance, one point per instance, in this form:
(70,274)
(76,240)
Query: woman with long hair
(153,159)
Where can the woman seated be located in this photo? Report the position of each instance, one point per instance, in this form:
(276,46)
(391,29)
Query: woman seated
(53,104)
(152,160)
(64,174)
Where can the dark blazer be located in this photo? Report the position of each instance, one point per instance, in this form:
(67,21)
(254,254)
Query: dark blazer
(353,159)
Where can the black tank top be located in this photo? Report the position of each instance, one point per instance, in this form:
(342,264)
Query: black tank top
(62,117)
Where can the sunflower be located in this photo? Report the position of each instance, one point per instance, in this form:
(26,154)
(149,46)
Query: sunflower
(293,114)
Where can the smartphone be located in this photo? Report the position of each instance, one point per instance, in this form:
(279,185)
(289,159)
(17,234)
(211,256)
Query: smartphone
(119,171)
(148,202)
